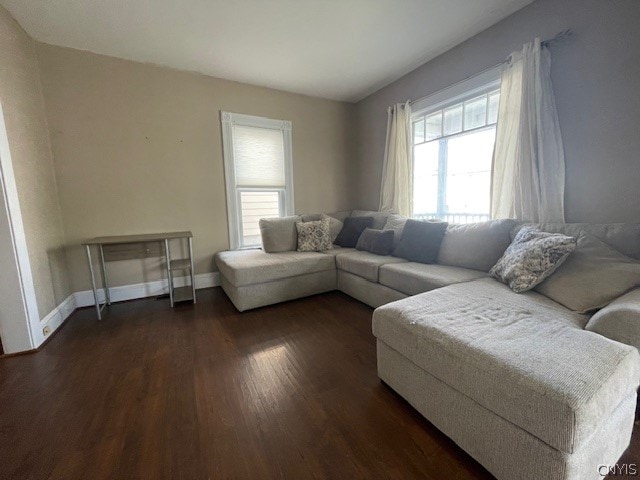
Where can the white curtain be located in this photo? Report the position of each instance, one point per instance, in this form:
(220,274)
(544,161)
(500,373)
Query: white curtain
(395,192)
(528,160)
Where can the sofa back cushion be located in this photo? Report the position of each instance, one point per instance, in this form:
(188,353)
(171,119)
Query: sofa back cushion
(593,276)
(420,241)
(336,221)
(312,217)
(279,234)
(476,245)
(379,242)
(624,237)
(396,223)
(379,218)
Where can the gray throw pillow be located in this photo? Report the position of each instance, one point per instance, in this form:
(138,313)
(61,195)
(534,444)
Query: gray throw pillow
(420,241)
(532,256)
(379,242)
(593,276)
(314,236)
(279,234)
(351,231)
(476,245)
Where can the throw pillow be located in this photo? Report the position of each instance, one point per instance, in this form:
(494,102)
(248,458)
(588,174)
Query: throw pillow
(351,231)
(532,256)
(379,242)
(420,241)
(314,236)
(593,276)
(279,234)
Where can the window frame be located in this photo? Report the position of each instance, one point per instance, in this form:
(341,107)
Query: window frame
(233,191)
(480,84)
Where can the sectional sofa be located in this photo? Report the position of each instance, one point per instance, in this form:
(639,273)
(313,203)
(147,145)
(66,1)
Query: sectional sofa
(526,386)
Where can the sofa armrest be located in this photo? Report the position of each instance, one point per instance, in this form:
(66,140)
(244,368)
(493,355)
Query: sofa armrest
(620,320)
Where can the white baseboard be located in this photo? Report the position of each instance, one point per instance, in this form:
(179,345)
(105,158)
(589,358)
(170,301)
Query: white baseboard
(148,289)
(58,315)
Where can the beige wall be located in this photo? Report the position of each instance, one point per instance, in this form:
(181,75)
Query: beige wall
(138,149)
(22,101)
(595,78)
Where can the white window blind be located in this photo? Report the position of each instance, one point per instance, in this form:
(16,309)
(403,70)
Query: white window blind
(257,157)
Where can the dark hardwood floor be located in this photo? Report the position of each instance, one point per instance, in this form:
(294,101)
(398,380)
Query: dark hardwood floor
(204,392)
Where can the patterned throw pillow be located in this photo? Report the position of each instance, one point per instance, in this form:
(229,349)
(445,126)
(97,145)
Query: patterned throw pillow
(314,236)
(532,256)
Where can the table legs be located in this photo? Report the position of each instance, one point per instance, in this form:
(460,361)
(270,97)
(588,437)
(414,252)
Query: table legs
(105,281)
(169,279)
(193,273)
(93,282)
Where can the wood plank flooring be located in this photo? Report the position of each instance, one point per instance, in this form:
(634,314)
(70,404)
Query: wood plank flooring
(204,392)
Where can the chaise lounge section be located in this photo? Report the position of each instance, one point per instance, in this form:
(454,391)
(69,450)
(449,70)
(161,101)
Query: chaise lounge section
(514,379)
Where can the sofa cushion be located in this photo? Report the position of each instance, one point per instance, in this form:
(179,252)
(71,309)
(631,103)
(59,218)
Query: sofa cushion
(396,223)
(420,241)
(620,320)
(532,256)
(521,356)
(351,231)
(476,245)
(364,264)
(336,220)
(379,242)
(338,250)
(379,218)
(312,217)
(248,267)
(624,237)
(314,236)
(591,277)
(279,234)
(413,278)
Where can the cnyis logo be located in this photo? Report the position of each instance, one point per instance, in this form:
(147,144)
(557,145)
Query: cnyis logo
(619,470)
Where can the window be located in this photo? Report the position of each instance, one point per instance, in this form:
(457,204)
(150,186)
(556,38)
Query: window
(453,138)
(258,174)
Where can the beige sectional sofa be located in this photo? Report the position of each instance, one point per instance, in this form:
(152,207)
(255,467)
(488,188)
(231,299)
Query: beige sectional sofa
(526,386)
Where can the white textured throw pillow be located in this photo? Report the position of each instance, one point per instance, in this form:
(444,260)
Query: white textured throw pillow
(314,236)
(532,256)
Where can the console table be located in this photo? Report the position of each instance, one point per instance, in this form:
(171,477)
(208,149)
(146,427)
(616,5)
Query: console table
(179,294)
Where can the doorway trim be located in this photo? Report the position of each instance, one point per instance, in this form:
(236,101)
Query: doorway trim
(19,246)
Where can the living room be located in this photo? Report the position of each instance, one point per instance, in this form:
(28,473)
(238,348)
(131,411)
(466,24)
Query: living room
(275,152)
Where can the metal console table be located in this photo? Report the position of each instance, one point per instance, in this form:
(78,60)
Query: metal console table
(179,294)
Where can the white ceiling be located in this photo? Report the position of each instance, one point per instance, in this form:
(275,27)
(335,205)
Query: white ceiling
(337,49)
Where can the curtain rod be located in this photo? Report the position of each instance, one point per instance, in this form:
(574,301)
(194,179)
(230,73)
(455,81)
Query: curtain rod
(545,43)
